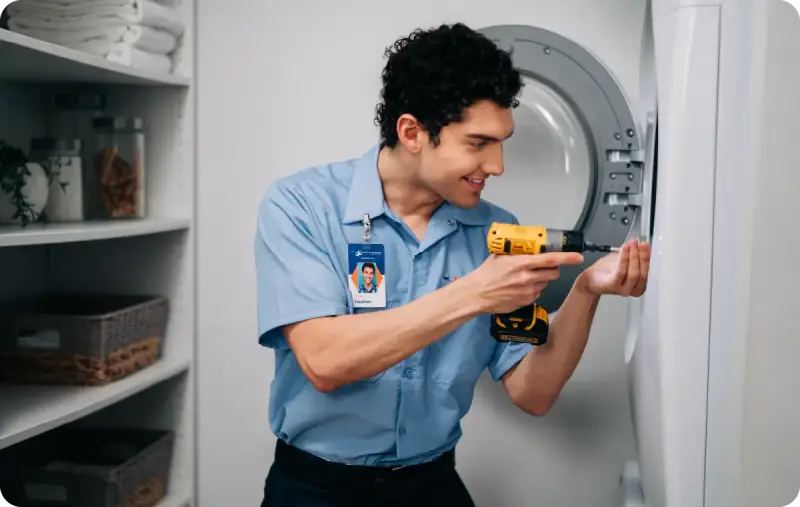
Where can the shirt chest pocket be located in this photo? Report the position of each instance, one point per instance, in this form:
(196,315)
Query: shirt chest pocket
(462,355)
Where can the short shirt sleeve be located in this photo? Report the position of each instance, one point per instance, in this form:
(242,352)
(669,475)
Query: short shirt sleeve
(296,279)
(506,355)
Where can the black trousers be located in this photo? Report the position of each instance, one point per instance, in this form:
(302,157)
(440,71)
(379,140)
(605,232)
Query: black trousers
(299,479)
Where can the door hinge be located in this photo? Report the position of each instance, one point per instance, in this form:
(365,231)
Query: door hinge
(623,186)
(624,199)
(626,156)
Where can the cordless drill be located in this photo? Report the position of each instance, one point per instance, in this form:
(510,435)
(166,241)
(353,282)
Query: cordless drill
(530,324)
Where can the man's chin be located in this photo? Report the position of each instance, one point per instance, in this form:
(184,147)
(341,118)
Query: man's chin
(466,202)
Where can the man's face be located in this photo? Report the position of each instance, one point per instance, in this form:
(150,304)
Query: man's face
(367,274)
(468,153)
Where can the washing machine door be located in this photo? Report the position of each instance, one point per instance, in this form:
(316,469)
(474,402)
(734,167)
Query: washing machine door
(576,159)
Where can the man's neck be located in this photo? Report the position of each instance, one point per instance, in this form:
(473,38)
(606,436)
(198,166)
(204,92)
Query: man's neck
(404,195)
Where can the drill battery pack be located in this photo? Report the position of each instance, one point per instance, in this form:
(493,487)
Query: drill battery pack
(529,324)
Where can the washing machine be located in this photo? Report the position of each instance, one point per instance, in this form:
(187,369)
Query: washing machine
(704,166)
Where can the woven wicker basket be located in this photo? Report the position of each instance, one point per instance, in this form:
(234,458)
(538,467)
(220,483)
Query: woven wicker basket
(82,340)
(89,468)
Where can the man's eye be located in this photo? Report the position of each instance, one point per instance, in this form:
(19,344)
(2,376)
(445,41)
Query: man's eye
(478,144)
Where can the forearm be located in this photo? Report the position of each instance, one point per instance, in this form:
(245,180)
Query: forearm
(337,351)
(538,379)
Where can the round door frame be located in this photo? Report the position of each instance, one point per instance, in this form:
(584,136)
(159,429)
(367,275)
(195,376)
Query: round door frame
(614,142)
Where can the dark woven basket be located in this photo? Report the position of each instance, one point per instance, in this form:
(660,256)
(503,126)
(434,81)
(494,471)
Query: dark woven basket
(89,468)
(86,339)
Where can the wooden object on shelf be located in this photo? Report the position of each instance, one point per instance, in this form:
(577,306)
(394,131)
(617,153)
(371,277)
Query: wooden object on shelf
(120,182)
(61,369)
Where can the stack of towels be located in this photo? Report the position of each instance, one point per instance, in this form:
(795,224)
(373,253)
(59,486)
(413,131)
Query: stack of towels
(138,33)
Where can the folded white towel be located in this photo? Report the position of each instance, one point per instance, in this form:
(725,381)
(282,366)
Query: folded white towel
(71,15)
(146,38)
(126,55)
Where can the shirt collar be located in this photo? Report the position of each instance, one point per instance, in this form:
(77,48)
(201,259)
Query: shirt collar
(366,190)
(366,196)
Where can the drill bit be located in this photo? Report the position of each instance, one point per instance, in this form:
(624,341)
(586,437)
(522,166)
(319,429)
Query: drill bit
(591,247)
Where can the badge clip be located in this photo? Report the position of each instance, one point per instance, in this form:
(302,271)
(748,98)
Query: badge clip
(367,227)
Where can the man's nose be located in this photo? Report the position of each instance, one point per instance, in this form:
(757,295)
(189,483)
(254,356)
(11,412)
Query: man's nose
(496,170)
(493,165)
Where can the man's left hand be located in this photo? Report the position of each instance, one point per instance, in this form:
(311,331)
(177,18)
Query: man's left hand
(622,273)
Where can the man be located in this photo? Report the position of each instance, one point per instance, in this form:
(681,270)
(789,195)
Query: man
(368,396)
(368,276)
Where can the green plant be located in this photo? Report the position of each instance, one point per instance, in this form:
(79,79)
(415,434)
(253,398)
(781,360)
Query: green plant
(13,171)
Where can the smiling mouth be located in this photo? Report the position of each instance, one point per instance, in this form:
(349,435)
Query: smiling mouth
(476,184)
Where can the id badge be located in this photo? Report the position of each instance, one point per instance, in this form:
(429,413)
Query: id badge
(367,278)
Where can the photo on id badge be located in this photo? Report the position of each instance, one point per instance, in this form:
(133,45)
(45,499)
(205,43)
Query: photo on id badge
(367,280)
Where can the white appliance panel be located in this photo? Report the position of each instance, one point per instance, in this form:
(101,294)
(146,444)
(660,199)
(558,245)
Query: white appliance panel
(669,364)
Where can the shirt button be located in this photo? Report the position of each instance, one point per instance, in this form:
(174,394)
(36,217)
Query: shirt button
(402,431)
(408,373)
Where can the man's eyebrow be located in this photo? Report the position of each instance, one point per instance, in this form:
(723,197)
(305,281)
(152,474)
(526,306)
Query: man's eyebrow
(484,137)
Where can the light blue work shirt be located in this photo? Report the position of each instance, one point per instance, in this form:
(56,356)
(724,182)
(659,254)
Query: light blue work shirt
(411,412)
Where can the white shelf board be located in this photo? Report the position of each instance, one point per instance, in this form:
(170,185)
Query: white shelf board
(26,59)
(48,233)
(29,410)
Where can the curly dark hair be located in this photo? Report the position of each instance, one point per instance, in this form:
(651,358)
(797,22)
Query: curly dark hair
(436,74)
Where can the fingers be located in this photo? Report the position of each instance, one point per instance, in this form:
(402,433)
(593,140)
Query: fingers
(549,260)
(544,275)
(534,282)
(633,268)
(644,269)
(539,287)
(631,273)
(623,264)
(537,277)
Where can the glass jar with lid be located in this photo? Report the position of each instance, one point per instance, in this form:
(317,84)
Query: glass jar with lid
(119,167)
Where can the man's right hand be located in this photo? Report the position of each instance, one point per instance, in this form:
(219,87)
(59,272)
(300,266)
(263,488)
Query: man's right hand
(504,283)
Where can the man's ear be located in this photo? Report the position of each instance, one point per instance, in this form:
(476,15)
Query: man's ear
(411,134)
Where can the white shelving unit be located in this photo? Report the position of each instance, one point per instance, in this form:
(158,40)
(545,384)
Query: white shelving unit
(154,255)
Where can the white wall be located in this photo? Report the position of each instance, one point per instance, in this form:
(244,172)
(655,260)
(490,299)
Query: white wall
(771,416)
(274,96)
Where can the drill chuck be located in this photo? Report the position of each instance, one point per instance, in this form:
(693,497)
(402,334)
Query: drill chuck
(563,241)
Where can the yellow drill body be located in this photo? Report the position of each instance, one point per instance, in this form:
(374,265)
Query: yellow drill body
(530,324)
